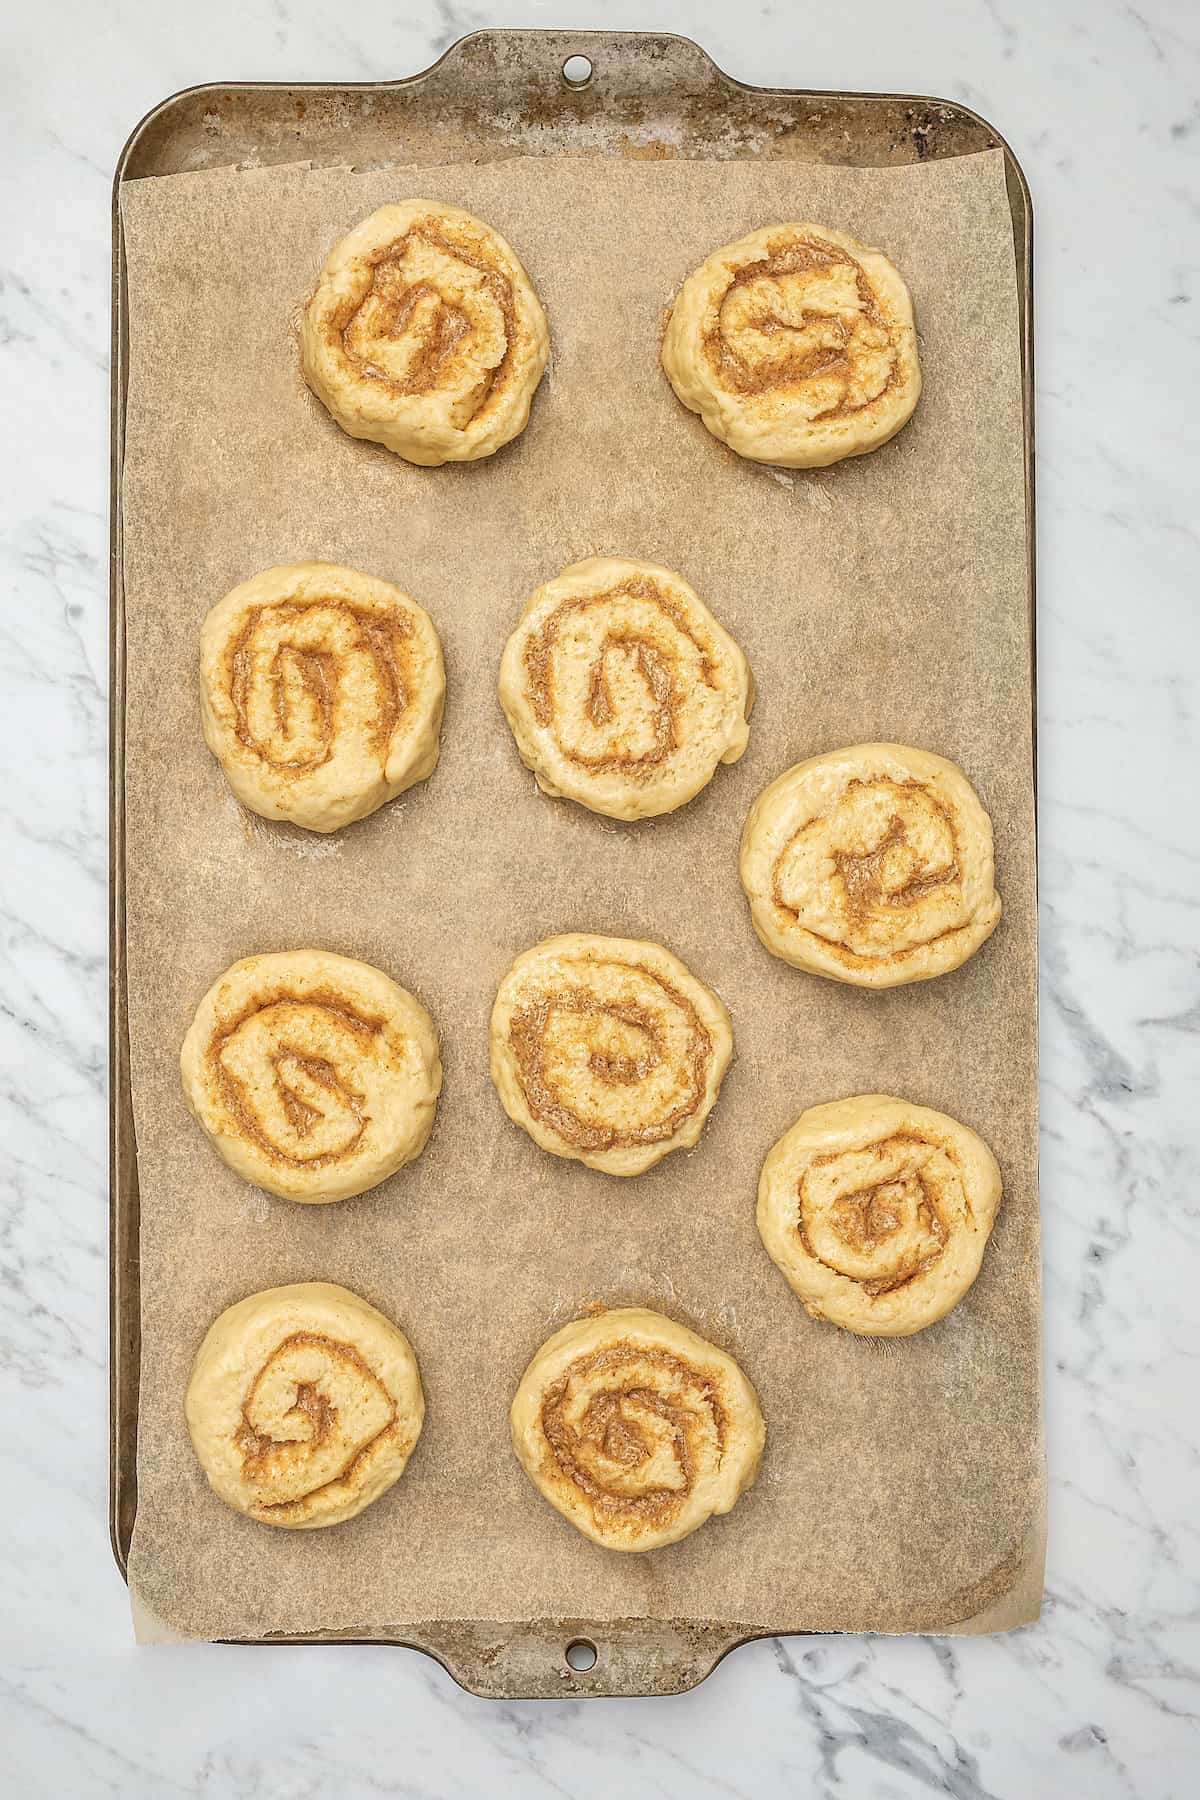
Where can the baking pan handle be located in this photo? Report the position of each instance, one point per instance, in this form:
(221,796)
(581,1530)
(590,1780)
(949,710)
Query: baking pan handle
(550,1659)
(599,66)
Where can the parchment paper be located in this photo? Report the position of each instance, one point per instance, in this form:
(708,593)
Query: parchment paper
(884,598)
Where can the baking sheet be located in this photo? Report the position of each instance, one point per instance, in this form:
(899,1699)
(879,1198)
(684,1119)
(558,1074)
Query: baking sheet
(884,598)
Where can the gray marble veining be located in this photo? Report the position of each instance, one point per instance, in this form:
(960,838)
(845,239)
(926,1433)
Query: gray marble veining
(1102,1697)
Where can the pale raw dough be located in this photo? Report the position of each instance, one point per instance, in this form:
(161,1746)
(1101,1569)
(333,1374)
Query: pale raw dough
(321,693)
(304,1405)
(872,865)
(878,1212)
(796,346)
(607,1050)
(621,689)
(424,334)
(316,1076)
(636,1429)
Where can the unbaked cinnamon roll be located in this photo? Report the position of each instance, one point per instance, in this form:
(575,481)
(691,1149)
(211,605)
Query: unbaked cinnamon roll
(315,1076)
(608,1050)
(321,693)
(621,689)
(878,1212)
(872,865)
(796,346)
(304,1405)
(636,1429)
(424,334)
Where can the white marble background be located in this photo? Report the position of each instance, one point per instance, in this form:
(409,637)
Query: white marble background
(1102,103)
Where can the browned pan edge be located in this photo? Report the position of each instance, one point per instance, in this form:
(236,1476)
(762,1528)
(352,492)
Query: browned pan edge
(492,94)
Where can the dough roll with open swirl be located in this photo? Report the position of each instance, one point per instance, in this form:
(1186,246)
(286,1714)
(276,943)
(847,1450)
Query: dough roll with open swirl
(321,693)
(621,689)
(608,1050)
(424,333)
(636,1429)
(872,865)
(878,1212)
(304,1405)
(315,1076)
(796,346)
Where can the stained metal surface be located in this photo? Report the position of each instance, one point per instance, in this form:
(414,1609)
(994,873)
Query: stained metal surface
(494,94)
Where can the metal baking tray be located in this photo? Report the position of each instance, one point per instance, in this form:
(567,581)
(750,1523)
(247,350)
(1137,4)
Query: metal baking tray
(492,95)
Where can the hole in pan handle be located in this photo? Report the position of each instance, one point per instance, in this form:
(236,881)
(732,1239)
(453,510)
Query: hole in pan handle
(577,71)
(582,1655)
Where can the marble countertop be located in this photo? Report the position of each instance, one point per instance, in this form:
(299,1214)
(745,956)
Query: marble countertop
(1103,1695)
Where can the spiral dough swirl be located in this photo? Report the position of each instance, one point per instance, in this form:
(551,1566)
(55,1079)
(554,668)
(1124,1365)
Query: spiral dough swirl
(872,865)
(622,691)
(424,334)
(878,1212)
(315,1076)
(608,1050)
(321,693)
(796,346)
(636,1429)
(304,1404)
